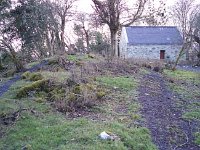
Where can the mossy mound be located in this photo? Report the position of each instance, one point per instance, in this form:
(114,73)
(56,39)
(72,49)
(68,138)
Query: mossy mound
(77,89)
(36,77)
(92,56)
(32,76)
(53,61)
(100,94)
(26,75)
(39,85)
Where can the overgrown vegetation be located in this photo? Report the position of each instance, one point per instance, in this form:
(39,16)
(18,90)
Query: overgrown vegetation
(30,113)
(186,86)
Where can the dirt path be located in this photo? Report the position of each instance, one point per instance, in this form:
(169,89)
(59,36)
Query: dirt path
(168,130)
(5,86)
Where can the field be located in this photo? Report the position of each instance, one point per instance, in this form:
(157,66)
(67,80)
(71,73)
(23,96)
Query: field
(67,103)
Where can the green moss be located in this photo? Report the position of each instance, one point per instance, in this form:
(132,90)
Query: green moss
(91,87)
(92,56)
(35,77)
(23,91)
(26,75)
(53,61)
(100,94)
(71,97)
(31,76)
(77,89)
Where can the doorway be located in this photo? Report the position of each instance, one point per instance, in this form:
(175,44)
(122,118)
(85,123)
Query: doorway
(162,54)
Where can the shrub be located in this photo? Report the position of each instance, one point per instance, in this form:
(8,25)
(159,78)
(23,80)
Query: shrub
(56,94)
(81,96)
(158,69)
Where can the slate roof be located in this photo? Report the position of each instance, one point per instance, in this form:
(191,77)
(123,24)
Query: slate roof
(153,35)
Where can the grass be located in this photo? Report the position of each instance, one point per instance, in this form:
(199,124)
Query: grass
(57,76)
(144,71)
(193,115)
(29,65)
(72,57)
(189,94)
(55,132)
(185,91)
(7,106)
(184,75)
(124,83)
(47,129)
(76,58)
(197,138)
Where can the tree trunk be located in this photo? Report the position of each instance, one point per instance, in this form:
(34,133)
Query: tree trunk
(114,50)
(1,65)
(179,57)
(62,35)
(198,56)
(87,39)
(187,54)
(18,64)
(58,43)
(49,46)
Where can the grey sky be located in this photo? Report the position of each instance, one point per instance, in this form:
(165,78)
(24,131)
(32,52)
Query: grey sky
(85,5)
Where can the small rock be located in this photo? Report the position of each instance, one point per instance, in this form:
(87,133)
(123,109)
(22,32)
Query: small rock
(27,147)
(108,136)
(104,135)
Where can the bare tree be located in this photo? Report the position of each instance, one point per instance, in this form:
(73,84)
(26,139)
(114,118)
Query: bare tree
(117,13)
(6,41)
(196,35)
(64,11)
(156,15)
(183,13)
(6,45)
(83,24)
